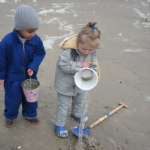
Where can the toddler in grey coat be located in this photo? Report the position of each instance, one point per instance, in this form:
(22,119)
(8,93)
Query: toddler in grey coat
(78,51)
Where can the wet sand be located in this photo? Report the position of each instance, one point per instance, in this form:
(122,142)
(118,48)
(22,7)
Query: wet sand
(124,59)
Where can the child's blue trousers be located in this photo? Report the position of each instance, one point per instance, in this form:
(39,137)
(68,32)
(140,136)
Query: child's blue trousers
(14,97)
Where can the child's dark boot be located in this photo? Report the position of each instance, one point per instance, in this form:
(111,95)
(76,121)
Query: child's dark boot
(34,121)
(8,123)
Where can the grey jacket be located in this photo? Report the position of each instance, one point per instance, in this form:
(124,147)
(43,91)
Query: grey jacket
(68,64)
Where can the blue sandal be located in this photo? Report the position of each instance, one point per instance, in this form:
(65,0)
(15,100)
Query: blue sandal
(61,131)
(85,119)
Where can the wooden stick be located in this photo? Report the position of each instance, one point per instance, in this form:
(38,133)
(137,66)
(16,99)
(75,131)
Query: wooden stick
(109,114)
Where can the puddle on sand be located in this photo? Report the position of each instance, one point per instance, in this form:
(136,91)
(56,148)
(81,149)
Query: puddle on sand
(88,143)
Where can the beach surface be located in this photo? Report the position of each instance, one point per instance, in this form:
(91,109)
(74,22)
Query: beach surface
(124,60)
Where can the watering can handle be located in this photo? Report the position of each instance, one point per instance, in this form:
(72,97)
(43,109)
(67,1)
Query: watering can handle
(98,69)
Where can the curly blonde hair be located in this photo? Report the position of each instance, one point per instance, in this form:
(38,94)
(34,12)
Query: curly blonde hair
(92,33)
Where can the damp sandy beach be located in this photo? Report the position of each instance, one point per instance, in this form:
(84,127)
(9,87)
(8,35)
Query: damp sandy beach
(124,60)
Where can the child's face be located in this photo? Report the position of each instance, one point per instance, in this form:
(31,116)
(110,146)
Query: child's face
(27,34)
(84,49)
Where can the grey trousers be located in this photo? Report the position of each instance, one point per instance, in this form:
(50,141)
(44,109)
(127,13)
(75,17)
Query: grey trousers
(63,103)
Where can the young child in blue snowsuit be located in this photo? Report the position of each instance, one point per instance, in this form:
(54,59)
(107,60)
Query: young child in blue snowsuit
(21,53)
(78,51)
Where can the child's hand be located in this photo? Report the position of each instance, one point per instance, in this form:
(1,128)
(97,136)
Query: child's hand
(85,64)
(30,72)
(1,82)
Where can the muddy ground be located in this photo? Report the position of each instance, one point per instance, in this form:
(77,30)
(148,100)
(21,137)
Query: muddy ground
(124,59)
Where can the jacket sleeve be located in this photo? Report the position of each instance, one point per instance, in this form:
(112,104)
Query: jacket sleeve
(38,56)
(67,64)
(2,59)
